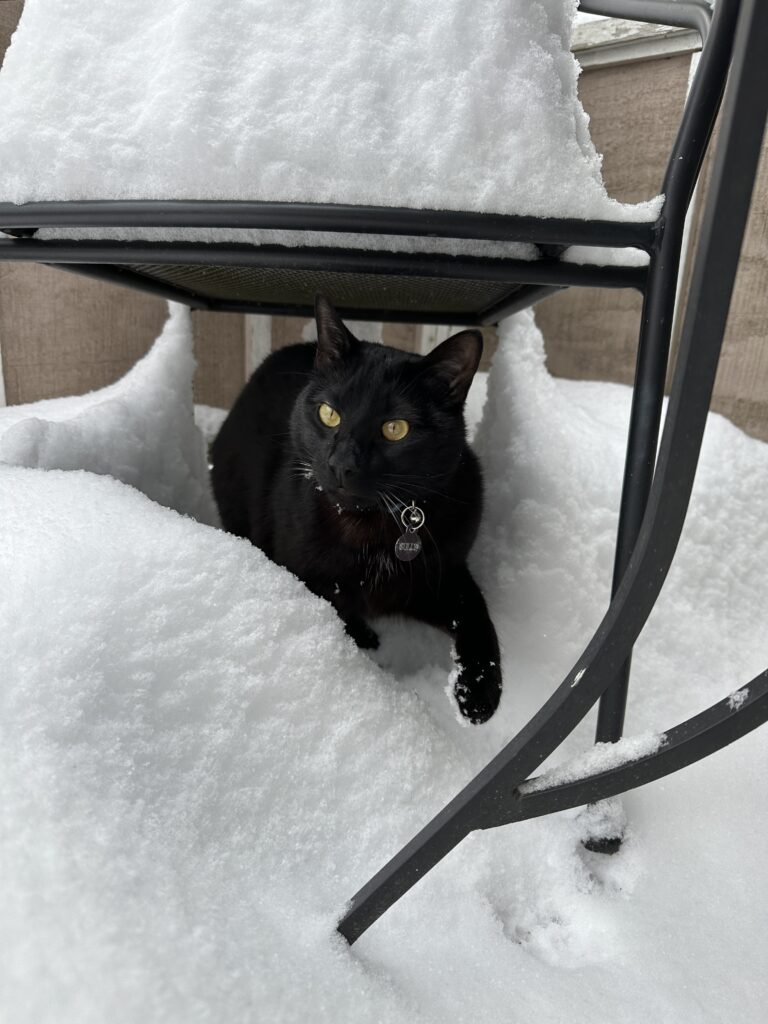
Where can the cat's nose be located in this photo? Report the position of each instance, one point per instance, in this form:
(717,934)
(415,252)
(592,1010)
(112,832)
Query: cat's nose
(343,470)
(344,466)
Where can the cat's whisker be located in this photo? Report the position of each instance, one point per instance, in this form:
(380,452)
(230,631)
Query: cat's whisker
(400,502)
(387,509)
(388,498)
(412,489)
(382,502)
(302,470)
(411,476)
(388,503)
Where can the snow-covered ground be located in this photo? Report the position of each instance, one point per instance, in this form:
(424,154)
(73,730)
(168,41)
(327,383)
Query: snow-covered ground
(198,768)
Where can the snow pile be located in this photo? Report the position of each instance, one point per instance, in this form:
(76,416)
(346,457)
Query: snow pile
(209,419)
(140,430)
(447,104)
(198,768)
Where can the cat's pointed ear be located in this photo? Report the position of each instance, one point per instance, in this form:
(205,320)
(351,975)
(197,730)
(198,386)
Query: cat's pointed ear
(455,361)
(334,341)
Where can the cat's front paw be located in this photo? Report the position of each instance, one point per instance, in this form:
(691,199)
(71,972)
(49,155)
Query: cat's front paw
(365,637)
(478,691)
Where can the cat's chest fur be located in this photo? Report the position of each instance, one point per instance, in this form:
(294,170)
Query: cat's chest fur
(351,558)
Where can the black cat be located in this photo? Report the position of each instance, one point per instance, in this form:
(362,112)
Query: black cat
(330,452)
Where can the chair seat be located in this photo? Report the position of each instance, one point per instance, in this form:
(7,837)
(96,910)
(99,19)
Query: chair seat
(175,249)
(427,162)
(278,290)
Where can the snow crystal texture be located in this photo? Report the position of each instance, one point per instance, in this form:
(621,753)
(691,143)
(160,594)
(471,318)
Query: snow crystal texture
(198,768)
(140,430)
(447,104)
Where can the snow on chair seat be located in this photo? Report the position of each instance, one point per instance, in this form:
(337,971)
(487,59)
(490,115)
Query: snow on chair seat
(449,104)
(387,111)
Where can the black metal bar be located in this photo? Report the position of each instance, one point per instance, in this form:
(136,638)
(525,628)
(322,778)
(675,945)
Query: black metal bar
(693,14)
(645,418)
(657,320)
(701,107)
(520,299)
(731,718)
(349,261)
(138,282)
(486,800)
(399,316)
(369,220)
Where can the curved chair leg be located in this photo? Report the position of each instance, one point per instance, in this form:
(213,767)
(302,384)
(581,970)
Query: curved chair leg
(487,800)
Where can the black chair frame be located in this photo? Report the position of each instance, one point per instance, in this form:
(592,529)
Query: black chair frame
(655,491)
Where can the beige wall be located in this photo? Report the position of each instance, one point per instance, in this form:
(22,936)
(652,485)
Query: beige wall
(61,334)
(10,11)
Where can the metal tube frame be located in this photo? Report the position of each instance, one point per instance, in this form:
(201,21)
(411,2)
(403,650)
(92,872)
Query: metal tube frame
(653,504)
(498,795)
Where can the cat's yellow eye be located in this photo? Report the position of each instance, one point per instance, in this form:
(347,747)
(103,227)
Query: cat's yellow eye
(328,415)
(395,430)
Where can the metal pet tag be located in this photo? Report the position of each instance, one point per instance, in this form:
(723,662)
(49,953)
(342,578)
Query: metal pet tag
(408,546)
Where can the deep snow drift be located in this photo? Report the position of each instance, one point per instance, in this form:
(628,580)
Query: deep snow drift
(197,767)
(445,104)
(139,430)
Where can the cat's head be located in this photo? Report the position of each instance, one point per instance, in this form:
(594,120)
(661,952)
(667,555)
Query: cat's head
(376,421)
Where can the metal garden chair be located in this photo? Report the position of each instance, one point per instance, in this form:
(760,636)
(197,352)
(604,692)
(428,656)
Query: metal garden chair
(431,288)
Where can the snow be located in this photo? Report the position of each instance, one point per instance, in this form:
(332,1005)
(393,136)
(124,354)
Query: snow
(605,257)
(198,768)
(139,430)
(473,410)
(445,104)
(311,239)
(208,419)
(600,757)
(737,698)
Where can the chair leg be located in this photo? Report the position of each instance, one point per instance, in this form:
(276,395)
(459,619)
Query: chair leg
(490,799)
(642,441)
(645,417)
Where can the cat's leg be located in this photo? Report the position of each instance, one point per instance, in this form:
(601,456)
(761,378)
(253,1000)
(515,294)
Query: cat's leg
(461,611)
(365,637)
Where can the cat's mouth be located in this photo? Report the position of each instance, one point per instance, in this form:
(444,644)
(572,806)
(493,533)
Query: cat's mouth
(347,502)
